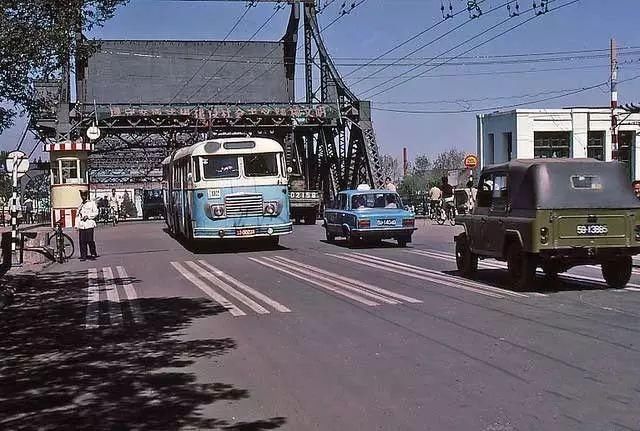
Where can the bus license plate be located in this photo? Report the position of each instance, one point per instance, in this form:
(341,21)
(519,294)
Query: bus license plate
(387,222)
(245,232)
(592,229)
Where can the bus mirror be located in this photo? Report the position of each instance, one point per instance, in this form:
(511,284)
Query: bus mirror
(289,169)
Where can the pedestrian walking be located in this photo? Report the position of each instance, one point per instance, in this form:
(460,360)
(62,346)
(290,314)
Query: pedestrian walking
(85,223)
(388,185)
(28,211)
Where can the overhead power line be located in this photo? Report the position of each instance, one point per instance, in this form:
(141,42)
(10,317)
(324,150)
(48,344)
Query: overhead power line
(431,42)
(467,51)
(235,25)
(499,108)
(400,45)
(235,54)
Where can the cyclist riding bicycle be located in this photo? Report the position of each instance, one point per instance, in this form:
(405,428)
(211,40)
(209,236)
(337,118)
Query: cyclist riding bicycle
(435,194)
(447,193)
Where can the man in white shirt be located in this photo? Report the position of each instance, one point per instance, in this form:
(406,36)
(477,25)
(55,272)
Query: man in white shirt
(435,194)
(85,223)
(388,185)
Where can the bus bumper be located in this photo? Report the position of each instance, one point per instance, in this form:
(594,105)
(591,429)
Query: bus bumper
(243,231)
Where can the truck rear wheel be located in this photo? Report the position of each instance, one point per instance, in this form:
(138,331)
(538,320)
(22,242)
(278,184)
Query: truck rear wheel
(310,219)
(521,266)
(617,272)
(466,260)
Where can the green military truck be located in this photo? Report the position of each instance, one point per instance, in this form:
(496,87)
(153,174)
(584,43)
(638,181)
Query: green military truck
(554,214)
(304,204)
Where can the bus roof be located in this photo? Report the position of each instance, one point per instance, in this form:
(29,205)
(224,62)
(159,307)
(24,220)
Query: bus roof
(240,145)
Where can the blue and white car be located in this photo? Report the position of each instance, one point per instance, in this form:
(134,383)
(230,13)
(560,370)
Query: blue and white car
(369,215)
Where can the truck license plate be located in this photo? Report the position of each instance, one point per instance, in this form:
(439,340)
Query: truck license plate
(592,229)
(387,222)
(245,232)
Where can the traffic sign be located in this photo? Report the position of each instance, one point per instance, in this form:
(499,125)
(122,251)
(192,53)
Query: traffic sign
(471,161)
(18,160)
(93,133)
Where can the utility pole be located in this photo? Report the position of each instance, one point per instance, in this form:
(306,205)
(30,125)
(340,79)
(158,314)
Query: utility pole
(614,100)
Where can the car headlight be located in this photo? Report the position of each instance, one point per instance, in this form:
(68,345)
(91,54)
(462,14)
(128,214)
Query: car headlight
(272,208)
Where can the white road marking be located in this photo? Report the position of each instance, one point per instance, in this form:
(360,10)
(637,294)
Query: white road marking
(131,295)
(115,308)
(460,280)
(235,311)
(93,299)
(240,285)
(273,264)
(352,281)
(209,276)
(332,279)
(442,280)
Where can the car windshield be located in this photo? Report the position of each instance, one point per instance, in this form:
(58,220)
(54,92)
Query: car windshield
(260,165)
(214,167)
(376,200)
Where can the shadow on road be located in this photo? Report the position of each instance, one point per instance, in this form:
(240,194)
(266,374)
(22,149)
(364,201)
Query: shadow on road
(55,374)
(500,278)
(362,245)
(233,246)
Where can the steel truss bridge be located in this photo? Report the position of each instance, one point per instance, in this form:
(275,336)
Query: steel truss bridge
(137,93)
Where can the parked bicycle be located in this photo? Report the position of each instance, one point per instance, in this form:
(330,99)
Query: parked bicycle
(60,244)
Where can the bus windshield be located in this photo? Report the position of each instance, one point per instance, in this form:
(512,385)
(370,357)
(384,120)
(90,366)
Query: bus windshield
(260,165)
(214,167)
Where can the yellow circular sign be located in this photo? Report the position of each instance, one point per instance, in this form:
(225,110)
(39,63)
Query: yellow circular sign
(471,161)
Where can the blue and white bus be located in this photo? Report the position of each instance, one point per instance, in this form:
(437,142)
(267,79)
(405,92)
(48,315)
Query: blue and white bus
(227,188)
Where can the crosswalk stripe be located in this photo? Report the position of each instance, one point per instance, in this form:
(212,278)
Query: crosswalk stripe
(130,293)
(273,264)
(235,311)
(93,299)
(230,290)
(442,280)
(264,298)
(353,281)
(459,280)
(115,309)
(354,287)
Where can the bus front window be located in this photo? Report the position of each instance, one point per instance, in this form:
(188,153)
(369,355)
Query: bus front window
(260,165)
(214,167)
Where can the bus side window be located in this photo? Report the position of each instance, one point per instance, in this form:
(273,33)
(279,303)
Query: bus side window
(196,169)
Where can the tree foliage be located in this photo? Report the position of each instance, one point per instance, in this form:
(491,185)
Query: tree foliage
(5,179)
(36,36)
(426,172)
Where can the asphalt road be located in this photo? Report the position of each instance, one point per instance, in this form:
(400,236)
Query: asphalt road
(313,336)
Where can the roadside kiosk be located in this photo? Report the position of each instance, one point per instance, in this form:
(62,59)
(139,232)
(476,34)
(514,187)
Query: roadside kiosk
(68,178)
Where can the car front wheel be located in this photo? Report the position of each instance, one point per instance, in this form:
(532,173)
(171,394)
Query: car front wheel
(617,272)
(521,266)
(330,236)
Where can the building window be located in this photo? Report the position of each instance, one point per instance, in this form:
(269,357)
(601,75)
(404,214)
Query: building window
(595,145)
(489,150)
(69,171)
(551,145)
(508,143)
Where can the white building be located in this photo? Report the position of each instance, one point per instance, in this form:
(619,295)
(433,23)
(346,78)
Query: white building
(570,132)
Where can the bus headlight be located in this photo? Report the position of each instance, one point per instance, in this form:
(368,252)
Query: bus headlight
(217,211)
(272,208)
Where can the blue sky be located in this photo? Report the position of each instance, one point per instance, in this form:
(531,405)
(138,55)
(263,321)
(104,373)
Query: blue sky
(374,26)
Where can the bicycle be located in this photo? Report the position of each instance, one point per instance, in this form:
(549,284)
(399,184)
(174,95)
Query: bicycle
(63,243)
(446,212)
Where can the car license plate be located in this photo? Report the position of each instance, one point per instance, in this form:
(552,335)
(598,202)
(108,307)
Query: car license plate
(386,222)
(592,229)
(245,232)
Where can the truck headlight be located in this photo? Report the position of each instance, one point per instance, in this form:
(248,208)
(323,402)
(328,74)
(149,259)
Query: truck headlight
(272,208)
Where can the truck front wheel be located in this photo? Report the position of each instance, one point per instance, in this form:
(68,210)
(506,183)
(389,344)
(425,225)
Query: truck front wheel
(311,218)
(617,272)
(466,260)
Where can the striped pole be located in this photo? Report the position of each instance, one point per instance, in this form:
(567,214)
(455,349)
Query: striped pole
(14,214)
(614,101)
